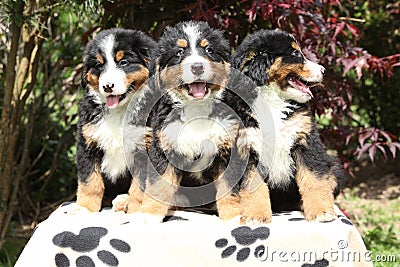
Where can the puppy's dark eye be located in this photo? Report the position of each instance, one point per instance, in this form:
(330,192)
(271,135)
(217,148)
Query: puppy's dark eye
(123,63)
(98,65)
(296,53)
(180,51)
(209,50)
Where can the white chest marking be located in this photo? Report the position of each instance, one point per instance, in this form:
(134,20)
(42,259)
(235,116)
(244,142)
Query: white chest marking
(197,134)
(119,141)
(278,136)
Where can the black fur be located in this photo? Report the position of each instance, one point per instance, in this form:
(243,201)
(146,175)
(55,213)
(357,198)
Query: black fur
(218,50)
(168,109)
(138,49)
(256,54)
(267,46)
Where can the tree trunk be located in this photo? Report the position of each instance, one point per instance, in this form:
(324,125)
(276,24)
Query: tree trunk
(8,107)
(19,85)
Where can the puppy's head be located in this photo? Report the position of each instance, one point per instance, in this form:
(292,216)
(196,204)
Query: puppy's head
(116,64)
(192,61)
(274,58)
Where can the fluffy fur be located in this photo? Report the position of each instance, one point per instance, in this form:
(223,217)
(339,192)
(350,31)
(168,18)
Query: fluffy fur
(194,132)
(110,152)
(299,170)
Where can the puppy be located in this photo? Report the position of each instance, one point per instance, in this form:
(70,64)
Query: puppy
(110,152)
(299,169)
(194,131)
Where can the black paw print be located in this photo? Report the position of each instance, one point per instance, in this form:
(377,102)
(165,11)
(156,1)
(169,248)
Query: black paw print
(318,263)
(344,220)
(244,236)
(87,240)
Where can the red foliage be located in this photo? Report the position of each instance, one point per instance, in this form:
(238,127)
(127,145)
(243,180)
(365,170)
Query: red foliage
(326,37)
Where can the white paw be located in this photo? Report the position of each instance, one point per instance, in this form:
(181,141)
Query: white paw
(145,218)
(326,217)
(120,203)
(75,209)
(234,221)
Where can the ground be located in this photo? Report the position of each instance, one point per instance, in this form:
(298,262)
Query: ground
(372,201)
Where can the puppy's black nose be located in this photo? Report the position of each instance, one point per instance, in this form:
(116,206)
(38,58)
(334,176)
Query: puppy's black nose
(108,88)
(197,68)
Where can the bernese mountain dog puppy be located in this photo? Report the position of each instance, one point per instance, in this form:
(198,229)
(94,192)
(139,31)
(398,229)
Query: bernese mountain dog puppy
(111,151)
(194,131)
(300,172)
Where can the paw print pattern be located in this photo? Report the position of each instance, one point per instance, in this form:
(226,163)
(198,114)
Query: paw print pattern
(318,263)
(344,220)
(87,240)
(244,236)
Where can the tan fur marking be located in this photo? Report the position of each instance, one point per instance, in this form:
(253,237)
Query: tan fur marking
(249,57)
(220,75)
(301,118)
(332,181)
(135,195)
(316,194)
(90,194)
(164,144)
(255,200)
(93,81)
(295,46)
(204,43)
(87,132)
(171,77)
(228,205)
(158,197)
(279,71)
(137,78)
(100,59)
(274,67)
(182,43)
(119,55)
(148,139)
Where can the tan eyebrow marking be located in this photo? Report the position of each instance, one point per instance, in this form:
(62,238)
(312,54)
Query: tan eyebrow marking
(295,46)
(119,55)
(249,57)
(100,59)
(204,43)
(182,43)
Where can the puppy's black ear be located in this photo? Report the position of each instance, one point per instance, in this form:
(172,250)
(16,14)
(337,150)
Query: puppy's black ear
(145,53)
(239,58)
(146,50)
(257,71)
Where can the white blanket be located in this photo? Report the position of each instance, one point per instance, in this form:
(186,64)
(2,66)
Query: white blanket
(186,238)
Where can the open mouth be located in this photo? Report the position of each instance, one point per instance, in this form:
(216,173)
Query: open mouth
(300,84)
(112,101)
(197,89)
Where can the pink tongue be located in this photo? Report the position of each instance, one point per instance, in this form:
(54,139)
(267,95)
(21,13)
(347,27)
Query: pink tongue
(300,86)
(198,89)
(112,101)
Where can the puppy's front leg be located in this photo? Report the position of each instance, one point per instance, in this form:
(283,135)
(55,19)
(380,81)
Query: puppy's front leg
(254,198)
(316,193)
(159,193)
(91,190)
(228,202)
